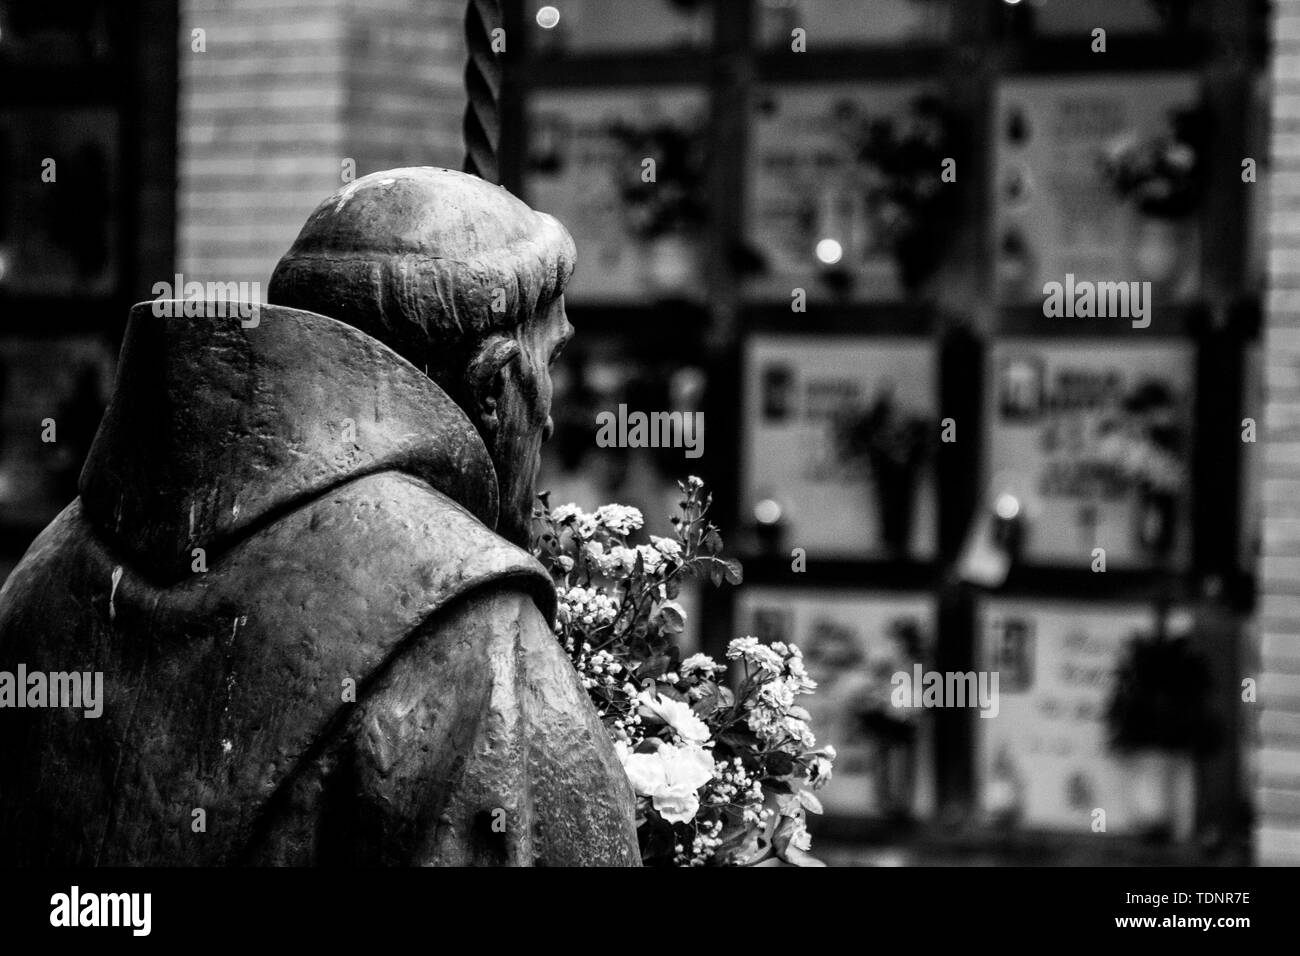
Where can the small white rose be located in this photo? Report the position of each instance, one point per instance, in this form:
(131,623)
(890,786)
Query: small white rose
(670,777)
(677,715)
(677,805)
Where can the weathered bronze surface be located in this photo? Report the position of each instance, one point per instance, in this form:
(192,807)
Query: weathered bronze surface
(345,508)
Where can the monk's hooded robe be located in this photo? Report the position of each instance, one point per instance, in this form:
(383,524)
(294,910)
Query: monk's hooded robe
(314,647)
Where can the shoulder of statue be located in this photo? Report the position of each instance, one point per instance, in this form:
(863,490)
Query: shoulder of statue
(485,554)
(400,530)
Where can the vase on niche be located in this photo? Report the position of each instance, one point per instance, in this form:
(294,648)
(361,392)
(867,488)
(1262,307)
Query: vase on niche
(895,777)
(1156,520)
(895,497)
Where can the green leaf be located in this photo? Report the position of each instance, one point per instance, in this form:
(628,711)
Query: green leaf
(735,573)
(738,739)
(707,704)
(779,764)
(672,618)
(655,666)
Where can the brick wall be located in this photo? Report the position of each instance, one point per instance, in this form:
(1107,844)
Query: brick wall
(1277,836)
(285,92)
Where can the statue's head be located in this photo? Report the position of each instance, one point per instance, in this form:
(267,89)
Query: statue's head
(462,280)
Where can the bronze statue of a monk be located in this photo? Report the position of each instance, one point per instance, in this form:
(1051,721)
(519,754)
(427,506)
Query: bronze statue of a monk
(298,560)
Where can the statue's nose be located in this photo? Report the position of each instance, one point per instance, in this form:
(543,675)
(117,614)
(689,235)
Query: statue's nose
(548,429)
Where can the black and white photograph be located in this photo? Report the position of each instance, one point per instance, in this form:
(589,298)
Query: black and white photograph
(702,434)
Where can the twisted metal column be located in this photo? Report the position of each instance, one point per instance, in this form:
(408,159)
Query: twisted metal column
(483,85)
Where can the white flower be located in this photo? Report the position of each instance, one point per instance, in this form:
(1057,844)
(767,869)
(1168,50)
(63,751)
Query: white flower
(741,645)
(578,521)
(751,651)
(588,605)
(819,772)
(676,715)
(794,664)
(677,804)
(645,772)
(620,519)
(699,662)
(565,512)
(776,695)
(671,777)
(651,558)
(668,547)
(618,561)
(801,732)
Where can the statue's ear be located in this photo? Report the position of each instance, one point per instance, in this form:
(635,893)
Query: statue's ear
(486,376)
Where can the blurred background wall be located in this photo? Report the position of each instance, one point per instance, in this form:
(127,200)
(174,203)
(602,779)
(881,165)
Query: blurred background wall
(1278,789)
(291,100)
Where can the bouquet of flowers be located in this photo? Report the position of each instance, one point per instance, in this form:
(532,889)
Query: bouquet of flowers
(1160,698)
(1142,439)
(1162,175)
(721,773)
(676,200)
(1142,442)
(912,208)
(883,435)
(876,709)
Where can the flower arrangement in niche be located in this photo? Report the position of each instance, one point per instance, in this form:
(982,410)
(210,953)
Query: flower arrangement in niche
(676,200)
(666,211)
(910,206)
(1163,179)
(722,774)
(1159,717)
(1161,696)
(892,729)
(1163,176)
(1142,442)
